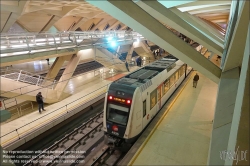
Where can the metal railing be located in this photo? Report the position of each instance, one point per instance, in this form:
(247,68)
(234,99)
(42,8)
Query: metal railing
(38,42)
(100,72)
(27,77)
(20,109)
(68,107)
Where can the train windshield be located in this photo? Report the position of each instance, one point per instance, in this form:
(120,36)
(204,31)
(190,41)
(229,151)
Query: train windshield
(117,114)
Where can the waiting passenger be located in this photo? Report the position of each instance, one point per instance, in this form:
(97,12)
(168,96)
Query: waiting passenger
(138,61)
(195,80)
(218,57)
(39,100)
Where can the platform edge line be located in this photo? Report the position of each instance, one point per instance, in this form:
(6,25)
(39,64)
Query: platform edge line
(156,126)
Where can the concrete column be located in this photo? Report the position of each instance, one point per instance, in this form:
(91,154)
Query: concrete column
(239,133)
(67,74)
(229,32)
(238,40)
(55,68)
(10,21)
(230,136)
(223,115)
(16,11)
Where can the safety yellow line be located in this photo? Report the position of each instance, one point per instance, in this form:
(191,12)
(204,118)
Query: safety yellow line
(2,144)
(158,123)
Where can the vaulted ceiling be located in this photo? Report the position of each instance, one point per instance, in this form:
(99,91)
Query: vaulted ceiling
(71,15)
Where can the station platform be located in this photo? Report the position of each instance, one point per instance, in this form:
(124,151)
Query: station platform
(32,121)
(180,133)
(85,89)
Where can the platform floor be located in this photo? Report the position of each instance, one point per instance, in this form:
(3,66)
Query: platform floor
(52,112)
(182,134)
(39,66)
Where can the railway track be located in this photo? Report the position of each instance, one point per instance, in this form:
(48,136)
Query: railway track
(84,145)
(74,147)
(108,157)
(107,154)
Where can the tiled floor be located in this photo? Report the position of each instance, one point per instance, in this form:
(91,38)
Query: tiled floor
(40,66)
(183,135)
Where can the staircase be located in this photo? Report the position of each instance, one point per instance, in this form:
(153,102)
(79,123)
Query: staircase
(109,60)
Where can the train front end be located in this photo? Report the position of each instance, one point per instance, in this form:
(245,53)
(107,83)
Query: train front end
(117,108)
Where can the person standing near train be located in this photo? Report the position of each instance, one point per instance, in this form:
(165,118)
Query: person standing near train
(195,80)
(39,100)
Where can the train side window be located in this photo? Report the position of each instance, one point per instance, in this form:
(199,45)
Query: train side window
(176,76)
(171,82)
(153,98)
(144,108)
(166,86)
(181,71)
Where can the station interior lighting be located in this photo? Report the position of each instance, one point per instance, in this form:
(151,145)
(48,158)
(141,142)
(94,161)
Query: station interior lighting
(113,43)
(110,38)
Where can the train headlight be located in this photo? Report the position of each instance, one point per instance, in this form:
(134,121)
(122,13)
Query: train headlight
(128,101)
(110,97)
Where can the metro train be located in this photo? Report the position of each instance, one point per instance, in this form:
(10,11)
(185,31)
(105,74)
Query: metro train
(133,100)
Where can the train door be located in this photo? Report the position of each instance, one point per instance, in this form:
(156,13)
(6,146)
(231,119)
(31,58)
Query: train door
(144,112)
(159,96)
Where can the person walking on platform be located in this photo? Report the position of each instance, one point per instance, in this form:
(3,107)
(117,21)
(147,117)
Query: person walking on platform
(39,100)
(195,80)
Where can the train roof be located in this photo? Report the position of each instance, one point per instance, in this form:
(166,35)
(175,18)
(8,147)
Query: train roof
(143,75)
